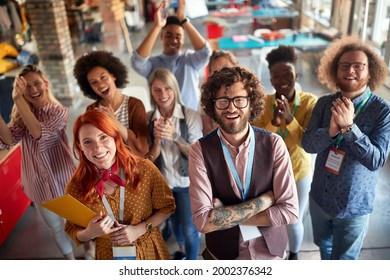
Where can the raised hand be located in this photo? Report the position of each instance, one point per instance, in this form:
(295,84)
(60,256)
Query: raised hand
(108,110)
(181,10)
(20,87)
(160,19)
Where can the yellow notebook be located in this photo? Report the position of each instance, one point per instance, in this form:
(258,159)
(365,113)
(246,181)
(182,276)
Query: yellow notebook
(71,209)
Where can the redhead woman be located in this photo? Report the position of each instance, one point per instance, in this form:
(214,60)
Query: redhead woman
(128,194)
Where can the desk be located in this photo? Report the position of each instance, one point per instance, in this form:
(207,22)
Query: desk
(13,201)
(272,17)
(274,13)
(303,42)
(259,14)
(225,3)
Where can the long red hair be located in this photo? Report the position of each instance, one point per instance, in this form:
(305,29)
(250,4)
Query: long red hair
(85,175)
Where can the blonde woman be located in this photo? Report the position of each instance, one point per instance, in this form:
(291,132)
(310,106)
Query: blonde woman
(173,127)
(39,121)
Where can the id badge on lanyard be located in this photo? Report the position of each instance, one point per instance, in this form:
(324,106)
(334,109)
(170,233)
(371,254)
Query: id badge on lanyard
(334,160)
(120,252)
(336,156)
(124,252)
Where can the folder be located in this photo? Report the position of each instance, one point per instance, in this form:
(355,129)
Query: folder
(71,209)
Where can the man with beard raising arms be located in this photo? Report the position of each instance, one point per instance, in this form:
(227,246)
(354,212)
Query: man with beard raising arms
(242,186)
(349,130)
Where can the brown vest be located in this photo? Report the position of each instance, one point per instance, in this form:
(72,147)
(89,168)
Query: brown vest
(224,243)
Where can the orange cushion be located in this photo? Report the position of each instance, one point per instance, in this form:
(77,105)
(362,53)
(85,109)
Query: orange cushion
(6,65)
(274,35)
(7,50)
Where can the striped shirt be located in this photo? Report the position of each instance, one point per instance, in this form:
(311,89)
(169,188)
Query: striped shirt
(47,162)
(122,113)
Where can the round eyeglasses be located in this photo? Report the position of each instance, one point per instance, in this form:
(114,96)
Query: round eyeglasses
(240,102)
(345,66)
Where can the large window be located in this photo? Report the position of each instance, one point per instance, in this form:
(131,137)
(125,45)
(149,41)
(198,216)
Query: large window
(318,10)
(377,24)
(381,22)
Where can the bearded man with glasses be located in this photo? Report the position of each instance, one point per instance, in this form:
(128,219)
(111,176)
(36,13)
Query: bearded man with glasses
(349,131)
(242,186)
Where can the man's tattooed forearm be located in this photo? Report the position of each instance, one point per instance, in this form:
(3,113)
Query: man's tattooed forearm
(226,218)
(259,205)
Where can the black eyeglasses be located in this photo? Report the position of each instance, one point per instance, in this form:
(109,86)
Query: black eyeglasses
(240,102)
(357,66)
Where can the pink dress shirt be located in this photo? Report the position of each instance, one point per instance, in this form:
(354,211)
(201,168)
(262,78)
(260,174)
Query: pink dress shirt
(284,211)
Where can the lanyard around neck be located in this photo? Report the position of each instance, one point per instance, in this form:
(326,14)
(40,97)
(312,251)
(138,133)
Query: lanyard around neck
(232,167)
(293,111)
(121,203)
(359,108)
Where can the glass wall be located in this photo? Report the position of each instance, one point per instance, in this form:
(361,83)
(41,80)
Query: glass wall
(318,10)
(378,23)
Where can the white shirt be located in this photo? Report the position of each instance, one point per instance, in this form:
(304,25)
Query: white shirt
(170,151)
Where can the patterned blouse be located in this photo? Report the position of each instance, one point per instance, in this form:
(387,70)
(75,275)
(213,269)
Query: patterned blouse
(154,196)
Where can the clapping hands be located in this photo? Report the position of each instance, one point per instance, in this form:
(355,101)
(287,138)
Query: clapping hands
(164,129)
(282,112)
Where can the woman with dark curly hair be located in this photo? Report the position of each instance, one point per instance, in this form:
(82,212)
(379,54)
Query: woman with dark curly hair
(349,130)
(100,75)
(287,113)
(242,187)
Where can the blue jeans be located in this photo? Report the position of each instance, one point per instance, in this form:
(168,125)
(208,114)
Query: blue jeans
(338,238)
(56,226)
(183,227)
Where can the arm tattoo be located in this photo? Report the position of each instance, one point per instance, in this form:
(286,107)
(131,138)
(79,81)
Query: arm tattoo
(227,217)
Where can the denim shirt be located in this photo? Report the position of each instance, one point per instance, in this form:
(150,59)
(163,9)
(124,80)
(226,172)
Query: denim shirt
(184,65)
(351,193)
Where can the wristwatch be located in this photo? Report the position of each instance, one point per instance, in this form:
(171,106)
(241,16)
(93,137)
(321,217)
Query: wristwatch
(184,21)
(149,227)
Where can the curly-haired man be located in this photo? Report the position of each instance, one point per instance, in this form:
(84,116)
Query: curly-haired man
(349,131)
